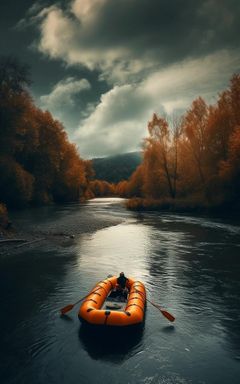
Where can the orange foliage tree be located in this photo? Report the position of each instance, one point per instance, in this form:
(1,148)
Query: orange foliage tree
(197,157)
(37,162)
(101,188)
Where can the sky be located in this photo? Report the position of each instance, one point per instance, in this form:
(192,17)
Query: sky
(103,67)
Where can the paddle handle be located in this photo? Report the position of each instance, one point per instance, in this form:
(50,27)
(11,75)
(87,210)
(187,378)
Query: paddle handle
(69,307)
(163,311)
(86,296)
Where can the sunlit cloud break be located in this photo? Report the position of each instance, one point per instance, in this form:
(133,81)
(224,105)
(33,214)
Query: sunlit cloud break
(63,92)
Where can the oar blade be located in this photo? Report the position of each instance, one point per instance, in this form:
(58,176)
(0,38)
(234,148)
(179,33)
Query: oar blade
(66,309)
(167,315)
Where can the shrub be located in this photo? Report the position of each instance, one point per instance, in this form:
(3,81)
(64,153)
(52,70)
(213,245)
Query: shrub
(4,222)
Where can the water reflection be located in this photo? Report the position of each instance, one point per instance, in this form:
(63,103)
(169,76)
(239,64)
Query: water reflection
(168,329)
(109,251)
(66,318)
(111,344)
(185,264)
(196,271)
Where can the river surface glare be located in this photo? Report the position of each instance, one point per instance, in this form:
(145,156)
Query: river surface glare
(190,265)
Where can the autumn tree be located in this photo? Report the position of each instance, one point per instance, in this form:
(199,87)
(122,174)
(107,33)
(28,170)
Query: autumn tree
(121,188)
(197,159)
(16,184)
(101,188)
(37,162)
(162,145)
(195,124)
(13,100)
(135,184)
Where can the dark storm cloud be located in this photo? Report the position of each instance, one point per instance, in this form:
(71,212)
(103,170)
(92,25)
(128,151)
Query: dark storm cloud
(128,36)
(136,35)
(170,29)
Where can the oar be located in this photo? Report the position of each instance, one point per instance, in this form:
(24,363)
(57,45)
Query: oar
(163,311)
(69,307)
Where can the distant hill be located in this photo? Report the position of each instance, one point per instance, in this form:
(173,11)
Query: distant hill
(116,168)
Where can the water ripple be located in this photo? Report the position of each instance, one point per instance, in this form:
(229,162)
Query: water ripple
(190,266)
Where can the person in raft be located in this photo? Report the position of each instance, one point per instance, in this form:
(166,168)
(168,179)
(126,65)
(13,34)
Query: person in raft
(121,285)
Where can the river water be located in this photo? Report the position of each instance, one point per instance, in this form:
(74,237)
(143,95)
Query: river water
(190,265)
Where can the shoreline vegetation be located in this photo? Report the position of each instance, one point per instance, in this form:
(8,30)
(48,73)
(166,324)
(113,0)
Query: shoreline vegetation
(4,220)
(189,163)
(38,164)
(181,206)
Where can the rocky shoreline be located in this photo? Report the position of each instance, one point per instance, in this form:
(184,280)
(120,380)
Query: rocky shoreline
(57,232)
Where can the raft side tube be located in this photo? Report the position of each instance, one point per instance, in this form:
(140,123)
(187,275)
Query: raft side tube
(91,312)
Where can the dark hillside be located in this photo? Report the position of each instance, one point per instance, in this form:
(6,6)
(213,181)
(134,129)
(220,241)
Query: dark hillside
(116,168)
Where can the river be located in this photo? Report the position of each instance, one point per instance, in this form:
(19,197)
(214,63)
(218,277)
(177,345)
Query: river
(190,265)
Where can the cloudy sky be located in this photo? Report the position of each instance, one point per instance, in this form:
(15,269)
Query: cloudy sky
(103,67)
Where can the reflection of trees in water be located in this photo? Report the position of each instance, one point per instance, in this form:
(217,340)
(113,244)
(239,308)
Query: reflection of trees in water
(111,344)
(216,282)
(29,281)
(201,271)
(167,240)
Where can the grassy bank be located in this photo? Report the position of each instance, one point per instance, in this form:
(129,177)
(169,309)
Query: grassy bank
(180,205)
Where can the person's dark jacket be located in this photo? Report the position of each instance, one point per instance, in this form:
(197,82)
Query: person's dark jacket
(122,280)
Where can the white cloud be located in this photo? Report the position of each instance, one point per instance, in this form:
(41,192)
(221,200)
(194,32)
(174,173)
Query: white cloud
(119,122)
(116,125)
(63,93)
(177,85)
(86,10)
(67,38)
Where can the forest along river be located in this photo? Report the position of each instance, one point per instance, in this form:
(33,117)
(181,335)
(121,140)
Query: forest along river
(190,265)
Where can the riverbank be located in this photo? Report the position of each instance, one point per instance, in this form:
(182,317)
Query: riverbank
(181,206)
(46,226)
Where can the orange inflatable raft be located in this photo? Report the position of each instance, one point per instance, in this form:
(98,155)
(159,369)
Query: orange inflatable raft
(101,307)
